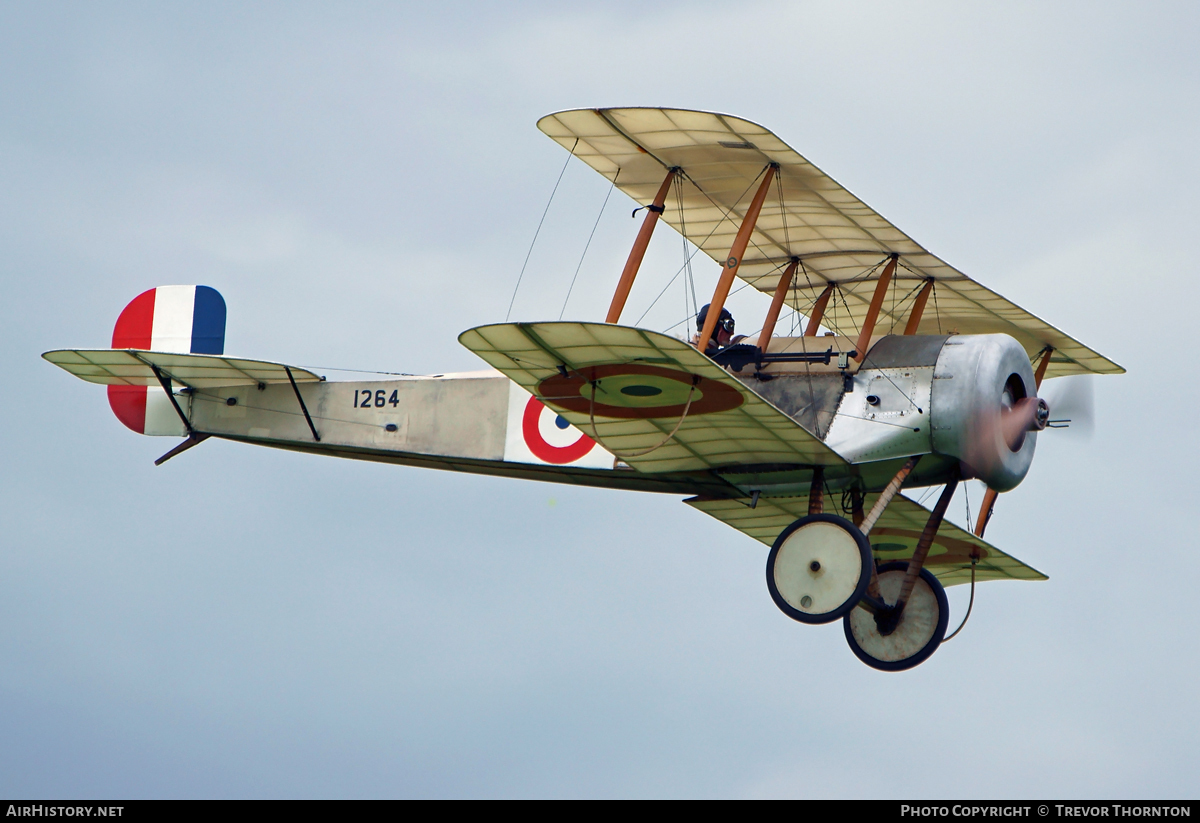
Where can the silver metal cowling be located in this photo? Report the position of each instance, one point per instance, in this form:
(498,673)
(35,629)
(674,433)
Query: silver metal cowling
(965,405)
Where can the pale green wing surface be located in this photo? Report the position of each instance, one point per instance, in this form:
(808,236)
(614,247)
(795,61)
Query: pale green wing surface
(133,367)
(893,538)
(648,378)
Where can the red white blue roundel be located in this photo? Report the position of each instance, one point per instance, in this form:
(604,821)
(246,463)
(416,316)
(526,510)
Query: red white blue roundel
(538,434)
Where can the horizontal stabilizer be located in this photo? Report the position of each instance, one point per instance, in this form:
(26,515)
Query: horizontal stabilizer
(894,536)
(131,367)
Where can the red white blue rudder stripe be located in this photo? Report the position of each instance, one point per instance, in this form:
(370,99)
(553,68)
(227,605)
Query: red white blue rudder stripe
(180,319)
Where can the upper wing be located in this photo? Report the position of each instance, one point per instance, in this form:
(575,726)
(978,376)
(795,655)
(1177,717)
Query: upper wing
(133,367)
(837,237)
(893,538)
(643,383)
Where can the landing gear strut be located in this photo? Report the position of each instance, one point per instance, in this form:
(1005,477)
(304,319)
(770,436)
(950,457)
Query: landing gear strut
(902,619)
(893,639)
(821,568)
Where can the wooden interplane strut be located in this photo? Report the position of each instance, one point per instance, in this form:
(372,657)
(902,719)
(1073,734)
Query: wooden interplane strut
(818,312)
(918,309)
(864,337)
(781,290)
(734,260)
(639,250)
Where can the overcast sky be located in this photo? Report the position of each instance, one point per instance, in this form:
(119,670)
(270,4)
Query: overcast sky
(362,182)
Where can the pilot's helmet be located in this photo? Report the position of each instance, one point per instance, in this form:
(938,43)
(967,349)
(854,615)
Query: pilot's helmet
(724,322)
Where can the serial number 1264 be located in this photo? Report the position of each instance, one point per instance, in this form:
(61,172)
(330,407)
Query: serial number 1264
(377,399)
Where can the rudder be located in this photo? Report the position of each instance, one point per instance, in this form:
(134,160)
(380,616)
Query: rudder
(177,319)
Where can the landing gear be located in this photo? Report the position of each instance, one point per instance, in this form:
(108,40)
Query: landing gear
(892,640)
(819,568)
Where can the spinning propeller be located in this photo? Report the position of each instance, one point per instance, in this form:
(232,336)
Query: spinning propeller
(1072,404)
(1067,403)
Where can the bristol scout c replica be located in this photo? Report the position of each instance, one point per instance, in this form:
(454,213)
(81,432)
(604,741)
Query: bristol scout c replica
(905,373)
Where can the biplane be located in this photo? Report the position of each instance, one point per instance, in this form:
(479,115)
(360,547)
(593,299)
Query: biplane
(805,443)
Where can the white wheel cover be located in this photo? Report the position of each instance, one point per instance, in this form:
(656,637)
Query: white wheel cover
(822,591)
(917,624)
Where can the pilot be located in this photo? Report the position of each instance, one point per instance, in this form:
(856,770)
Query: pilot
(722,335)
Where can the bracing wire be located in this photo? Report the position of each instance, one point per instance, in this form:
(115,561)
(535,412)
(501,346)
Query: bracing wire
(361,371)
(937,312)
(689,285)
(689,259)
(970,604)
(967,500)
(539,230)
(717,225)
(588,243)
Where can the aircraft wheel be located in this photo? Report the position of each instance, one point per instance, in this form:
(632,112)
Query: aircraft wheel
(819,568)
(919,632)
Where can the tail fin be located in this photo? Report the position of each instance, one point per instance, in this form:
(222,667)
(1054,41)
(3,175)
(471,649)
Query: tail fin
(177,319)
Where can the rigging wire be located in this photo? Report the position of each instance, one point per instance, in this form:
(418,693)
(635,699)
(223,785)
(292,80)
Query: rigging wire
(926,495)
(730,209)
(935,307)
(689,278)
(677,323)
(694,253)
(539,229)
(812,392)
(967,500)
(362,371)
(970,604)
(726,212)
(795,301)
(894,284)
(660,294)
(588,243)
(834,325)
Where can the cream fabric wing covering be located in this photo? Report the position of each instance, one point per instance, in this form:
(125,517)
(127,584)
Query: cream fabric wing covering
(130,367)
(752,432)
(807,214)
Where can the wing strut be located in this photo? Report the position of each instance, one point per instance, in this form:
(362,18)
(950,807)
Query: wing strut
(730,268)
(868,326)
(303,408)
(918,309)
(639,249)
(166,385)
(781,291)
(818,312)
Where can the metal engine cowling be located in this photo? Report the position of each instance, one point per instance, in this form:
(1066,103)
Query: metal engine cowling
(977,380)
